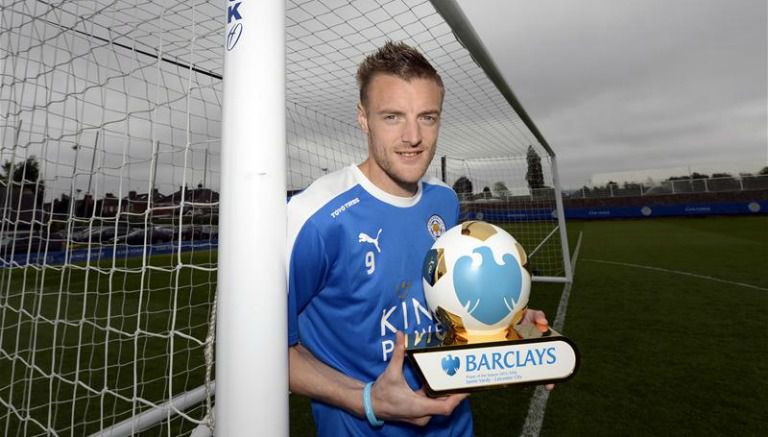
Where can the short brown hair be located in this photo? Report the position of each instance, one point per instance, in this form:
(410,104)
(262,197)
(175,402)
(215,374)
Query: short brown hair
(398,59)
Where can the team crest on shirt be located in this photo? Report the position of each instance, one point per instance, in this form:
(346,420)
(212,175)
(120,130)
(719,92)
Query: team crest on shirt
(436,226)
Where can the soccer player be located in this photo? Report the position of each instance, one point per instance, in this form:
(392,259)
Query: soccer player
(356,242)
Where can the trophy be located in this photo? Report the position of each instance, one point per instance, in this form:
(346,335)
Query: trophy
(477,285)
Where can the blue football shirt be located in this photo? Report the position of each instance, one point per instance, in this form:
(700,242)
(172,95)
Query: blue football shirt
(354,277)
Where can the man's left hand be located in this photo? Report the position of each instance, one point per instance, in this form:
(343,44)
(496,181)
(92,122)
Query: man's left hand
(538,318)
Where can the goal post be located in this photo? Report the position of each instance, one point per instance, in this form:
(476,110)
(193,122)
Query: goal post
(465,33)
(251,348)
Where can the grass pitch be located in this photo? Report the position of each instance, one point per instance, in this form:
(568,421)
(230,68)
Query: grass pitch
(669,316)
(77,343)
(663,353)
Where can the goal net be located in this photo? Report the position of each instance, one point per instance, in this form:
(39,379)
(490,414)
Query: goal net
(110,126)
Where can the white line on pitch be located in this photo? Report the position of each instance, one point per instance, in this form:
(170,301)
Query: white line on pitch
(677,272)
(538,405)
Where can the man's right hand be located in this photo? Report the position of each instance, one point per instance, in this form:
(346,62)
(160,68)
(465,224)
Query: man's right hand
(393,399)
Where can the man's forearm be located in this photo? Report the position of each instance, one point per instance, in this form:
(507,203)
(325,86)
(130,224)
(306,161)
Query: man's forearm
(311,377)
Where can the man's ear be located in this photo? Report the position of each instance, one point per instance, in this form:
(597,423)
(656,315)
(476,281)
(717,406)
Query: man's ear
(362,118)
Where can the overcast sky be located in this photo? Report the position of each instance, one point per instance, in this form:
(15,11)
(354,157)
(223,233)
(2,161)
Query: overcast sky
(636,84)
(614,85)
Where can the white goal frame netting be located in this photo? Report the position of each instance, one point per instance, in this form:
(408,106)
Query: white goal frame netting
(110,132)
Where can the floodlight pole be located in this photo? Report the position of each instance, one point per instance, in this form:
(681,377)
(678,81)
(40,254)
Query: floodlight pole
(251,331)
(443,168)
(93,162)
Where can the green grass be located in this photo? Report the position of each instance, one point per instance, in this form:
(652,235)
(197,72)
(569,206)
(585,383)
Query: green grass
(662,353)
(104,329)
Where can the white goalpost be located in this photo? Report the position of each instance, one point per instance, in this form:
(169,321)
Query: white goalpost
(146,153)
(251,351)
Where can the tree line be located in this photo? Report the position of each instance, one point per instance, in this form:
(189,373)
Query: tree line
(534,176)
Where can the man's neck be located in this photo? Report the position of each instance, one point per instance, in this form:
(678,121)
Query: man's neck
(381,179)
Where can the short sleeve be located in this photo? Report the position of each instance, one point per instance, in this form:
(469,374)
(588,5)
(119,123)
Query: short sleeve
(307,270)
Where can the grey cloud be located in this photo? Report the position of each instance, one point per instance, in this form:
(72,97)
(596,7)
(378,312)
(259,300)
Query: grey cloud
(635,84)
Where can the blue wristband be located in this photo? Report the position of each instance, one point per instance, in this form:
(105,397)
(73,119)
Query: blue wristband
(368,408)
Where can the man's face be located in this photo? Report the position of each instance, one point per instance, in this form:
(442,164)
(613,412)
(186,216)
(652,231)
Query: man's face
(401,119)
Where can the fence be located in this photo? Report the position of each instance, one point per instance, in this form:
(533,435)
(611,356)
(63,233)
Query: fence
(677,186)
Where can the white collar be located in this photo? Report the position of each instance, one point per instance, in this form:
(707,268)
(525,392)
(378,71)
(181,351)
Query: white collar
(373,190)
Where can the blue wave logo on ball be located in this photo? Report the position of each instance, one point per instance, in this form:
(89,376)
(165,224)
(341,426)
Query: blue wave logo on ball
(450,364)
(489,291)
